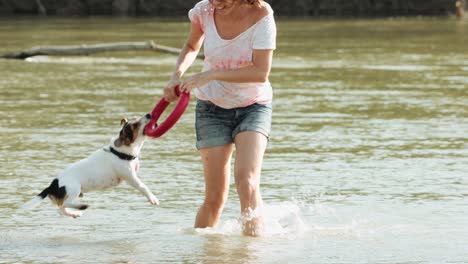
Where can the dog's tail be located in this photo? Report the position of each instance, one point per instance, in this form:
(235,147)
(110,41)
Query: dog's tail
(37,199)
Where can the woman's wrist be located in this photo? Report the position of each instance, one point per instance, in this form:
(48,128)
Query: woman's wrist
(176,75)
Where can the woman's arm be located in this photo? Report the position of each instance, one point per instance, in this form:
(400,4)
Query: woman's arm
(258,71)
(186,57)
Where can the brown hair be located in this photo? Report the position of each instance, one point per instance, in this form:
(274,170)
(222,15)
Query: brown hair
(252,2)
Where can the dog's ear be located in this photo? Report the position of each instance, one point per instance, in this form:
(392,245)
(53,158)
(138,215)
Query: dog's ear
(123,121)
(118,142)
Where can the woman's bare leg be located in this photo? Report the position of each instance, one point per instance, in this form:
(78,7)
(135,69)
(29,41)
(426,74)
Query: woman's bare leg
(250,148)
(216,166)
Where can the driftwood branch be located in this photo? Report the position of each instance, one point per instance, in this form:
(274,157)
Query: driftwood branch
(91,49)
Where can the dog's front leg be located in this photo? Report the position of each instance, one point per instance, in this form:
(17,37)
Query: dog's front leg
(134,181)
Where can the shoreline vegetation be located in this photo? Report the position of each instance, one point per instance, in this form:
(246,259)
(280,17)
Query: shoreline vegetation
(290,8)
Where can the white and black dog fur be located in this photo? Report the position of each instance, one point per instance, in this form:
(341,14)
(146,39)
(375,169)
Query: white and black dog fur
(104,169)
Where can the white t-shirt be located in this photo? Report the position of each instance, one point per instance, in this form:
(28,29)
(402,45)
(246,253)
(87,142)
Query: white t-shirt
(233,54)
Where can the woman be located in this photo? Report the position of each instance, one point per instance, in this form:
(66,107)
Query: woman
(233,100)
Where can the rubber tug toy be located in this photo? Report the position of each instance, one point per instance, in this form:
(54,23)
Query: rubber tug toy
(152,129)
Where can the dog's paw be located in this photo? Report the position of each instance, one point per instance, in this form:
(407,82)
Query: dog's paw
(74,214)
(153,200)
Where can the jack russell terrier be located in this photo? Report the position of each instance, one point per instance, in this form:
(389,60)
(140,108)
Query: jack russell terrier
(104,169)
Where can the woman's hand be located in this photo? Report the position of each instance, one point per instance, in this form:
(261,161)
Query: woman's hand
(169,90)
(196,80)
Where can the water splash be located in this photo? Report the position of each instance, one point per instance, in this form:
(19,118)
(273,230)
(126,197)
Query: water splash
(282,219)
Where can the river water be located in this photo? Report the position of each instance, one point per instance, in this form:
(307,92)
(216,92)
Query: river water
(368,161)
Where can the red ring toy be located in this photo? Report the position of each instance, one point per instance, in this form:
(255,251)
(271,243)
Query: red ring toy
(154,130)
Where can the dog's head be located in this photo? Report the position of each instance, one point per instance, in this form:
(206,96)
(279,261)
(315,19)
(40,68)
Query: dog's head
(132,131)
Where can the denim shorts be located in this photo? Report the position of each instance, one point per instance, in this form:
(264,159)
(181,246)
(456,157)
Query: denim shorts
(216,126)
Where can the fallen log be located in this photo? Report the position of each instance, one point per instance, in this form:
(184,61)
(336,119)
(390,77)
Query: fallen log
(91,49)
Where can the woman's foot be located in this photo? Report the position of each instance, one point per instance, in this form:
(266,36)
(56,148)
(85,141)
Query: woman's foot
(253,227)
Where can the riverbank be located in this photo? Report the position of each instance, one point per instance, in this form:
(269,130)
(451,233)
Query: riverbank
(309,8)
